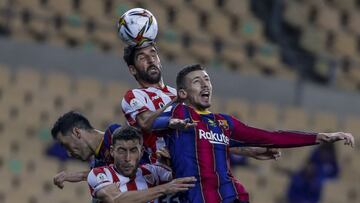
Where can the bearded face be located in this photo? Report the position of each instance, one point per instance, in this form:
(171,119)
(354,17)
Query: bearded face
(147,66)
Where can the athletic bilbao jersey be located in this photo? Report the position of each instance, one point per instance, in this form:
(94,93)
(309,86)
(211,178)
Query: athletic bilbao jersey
(102,153)
(147,176)
(139,100)
(203,152)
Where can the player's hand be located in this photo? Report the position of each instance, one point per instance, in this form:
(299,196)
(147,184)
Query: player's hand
(163,156)
(180,124)
(261,153)
(179,185)
(112,190)
(59,179)
(334,137)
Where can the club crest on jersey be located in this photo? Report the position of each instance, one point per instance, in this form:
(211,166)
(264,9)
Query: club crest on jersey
(135,104)
(224,124)
(101,177)
(214,138)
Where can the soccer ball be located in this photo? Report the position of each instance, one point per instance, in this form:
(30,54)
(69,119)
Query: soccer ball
(137,27)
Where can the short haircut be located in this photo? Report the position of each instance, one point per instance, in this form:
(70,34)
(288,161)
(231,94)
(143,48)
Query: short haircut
(130,51)
(68,121)
(180,78)
(127,133)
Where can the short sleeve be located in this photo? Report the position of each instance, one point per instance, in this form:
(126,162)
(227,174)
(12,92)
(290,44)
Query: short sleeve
(98,178)
(133,104)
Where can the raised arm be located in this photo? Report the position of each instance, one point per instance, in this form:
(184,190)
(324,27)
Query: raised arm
(74,177)
(257,137)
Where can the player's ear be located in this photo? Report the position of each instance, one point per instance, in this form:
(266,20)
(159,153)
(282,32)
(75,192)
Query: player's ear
(182,94)
(77,132)
(132,69)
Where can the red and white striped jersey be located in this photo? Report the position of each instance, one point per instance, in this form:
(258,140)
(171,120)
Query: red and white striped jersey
(147,176)
(139,100)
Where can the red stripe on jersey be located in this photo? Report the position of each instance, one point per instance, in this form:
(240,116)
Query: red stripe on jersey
(131,185)
(98,170)
(113,174)
(155,99)
(209,180)
(128,97)
(147,172)
(243,195)
(168,93)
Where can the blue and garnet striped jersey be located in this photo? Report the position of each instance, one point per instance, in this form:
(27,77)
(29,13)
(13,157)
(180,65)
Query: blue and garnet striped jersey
(203,152)
(102,154)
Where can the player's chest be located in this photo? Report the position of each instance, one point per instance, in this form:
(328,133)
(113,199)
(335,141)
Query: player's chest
(141,182)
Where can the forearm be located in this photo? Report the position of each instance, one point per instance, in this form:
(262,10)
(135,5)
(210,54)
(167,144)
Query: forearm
(281,139)
(145,120)
(76,176)
(140,196)
(243,151)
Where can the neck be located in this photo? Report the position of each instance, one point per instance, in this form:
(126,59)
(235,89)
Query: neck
(95,140)
(158,85)
(198,109)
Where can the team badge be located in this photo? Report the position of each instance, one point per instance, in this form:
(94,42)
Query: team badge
(135,104)
(101,177)
(224,124)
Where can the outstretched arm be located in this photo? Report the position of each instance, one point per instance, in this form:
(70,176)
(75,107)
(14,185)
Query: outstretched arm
(257,137)
(111,193)
(74,177)
(259,153)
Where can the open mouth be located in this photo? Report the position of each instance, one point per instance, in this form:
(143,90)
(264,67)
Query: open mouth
(153,69)
(205,94)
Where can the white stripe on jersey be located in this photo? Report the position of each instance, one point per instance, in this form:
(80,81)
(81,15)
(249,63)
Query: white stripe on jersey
(150,98)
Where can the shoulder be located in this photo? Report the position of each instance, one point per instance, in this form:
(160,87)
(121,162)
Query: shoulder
(171,89)
(111,128)
(134,93)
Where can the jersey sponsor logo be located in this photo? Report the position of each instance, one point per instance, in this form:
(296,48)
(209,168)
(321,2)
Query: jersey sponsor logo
(214,138)
(154,97)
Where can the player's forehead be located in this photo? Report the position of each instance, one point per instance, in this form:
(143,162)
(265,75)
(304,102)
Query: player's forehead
(146,50)
(197,74)
(126,144)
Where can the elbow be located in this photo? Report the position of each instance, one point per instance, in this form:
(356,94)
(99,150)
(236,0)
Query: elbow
(145,126)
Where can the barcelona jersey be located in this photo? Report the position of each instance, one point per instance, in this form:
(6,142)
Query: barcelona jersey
(102,154)
(203,152)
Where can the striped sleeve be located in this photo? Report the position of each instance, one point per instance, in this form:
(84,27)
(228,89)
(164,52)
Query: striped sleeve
(98,178)
(163,174)
(133,104)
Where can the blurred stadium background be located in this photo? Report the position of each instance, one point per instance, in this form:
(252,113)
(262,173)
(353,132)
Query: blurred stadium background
(276,64)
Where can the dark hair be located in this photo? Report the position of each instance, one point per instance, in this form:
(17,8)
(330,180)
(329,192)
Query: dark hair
(180,78)
(129,55)
(127,133)
(68,121)
(130,51)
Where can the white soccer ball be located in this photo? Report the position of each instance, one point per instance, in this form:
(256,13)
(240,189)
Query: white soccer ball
(137,27)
